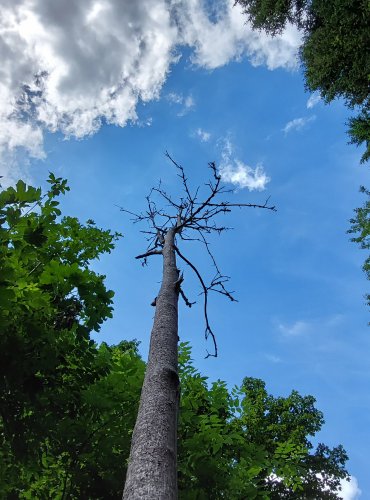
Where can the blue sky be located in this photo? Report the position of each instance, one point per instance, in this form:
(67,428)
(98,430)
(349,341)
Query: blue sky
(203,86)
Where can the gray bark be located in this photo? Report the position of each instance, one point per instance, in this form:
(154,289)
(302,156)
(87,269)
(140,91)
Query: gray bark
(152,469)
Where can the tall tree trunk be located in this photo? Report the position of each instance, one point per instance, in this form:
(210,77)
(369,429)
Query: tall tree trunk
(152,469)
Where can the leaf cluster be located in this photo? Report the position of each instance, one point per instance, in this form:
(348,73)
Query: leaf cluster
(272,16)
(78,445)
(360,227)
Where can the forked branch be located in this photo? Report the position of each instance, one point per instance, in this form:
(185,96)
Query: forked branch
(191,219)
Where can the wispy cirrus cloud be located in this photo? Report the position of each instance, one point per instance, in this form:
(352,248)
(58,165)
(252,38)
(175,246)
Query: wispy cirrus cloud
(314,99)
(202,135)
(185,102)
(298,124)
(302,327)
(295,329)
(273,358)
(175,98)
(188,104)
(238,173)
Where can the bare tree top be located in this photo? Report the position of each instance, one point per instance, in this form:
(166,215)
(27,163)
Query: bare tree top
(191,218)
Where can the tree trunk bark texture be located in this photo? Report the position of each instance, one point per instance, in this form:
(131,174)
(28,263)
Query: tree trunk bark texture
(152,468)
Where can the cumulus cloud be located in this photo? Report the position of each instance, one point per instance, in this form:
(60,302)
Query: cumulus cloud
(244,176)
(72,68)
(350,489)
(228,37)
(203,135)
(298,123)
(66,69)
(240,174)
(313,100)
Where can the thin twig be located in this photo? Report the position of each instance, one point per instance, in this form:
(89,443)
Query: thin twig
(208,330)
(186,300)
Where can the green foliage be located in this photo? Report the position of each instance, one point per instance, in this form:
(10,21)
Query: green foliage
(359,131)
(335,50)
(273,15)
(245,443)
(334,54)
(50,302)
(82,450)
(361,228)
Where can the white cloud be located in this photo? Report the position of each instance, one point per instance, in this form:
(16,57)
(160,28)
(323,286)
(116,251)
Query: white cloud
(298,123)
(13,167)
(186,102)
(314,99)
(229,37)
(295,329)
(175,98)
(244,176)
(350,489)
(238,173)
(65,69)
(203,135)
(334,320)
(302,327)
(189,103)
(273,358)
(70,69)
(148,122)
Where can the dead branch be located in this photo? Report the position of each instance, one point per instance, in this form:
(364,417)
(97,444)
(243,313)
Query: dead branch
(148,254)
(208,330)
(186,300)
(191,219)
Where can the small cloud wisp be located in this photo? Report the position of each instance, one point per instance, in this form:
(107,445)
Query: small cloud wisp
(298,124)
(240,174)
(296,329)
(203,135)
(313,100)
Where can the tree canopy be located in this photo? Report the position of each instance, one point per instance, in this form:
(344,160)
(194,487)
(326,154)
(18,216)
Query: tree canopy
(50,302)
(246,443)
